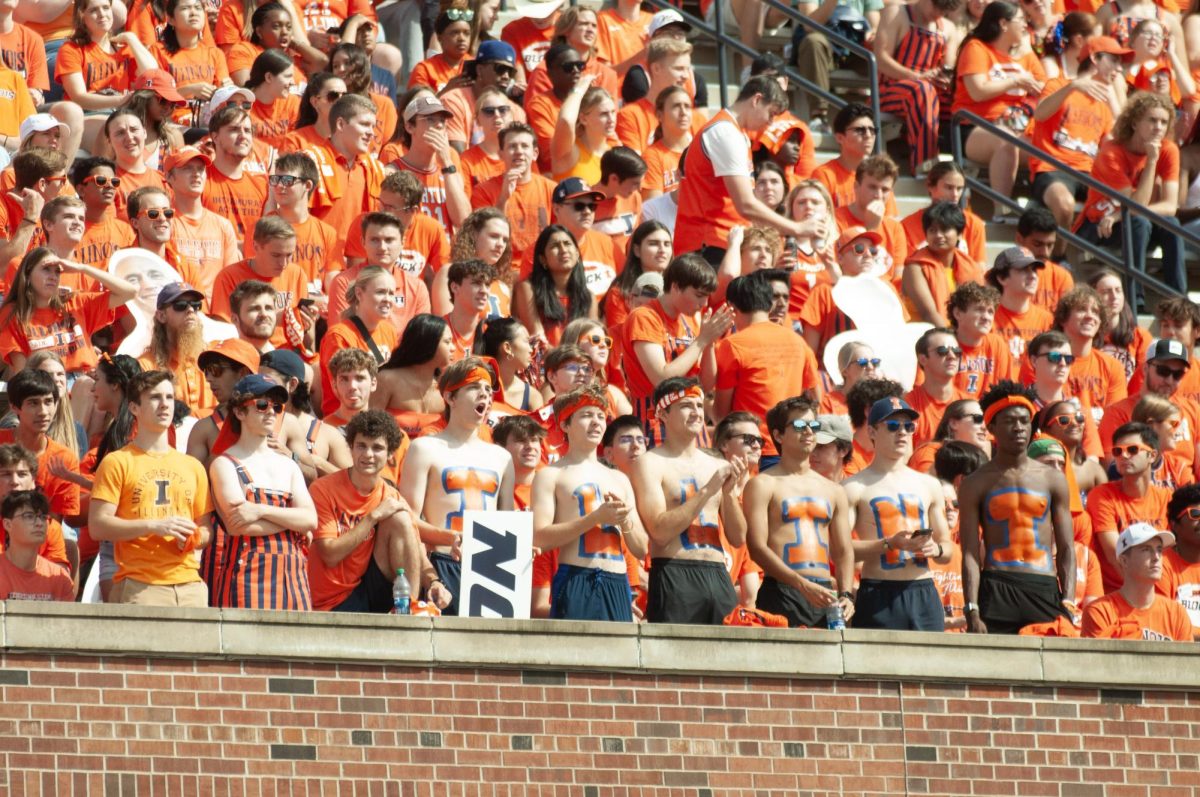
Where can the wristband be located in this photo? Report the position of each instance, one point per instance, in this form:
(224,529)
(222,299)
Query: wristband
(970,607)
(451,169)
(846,594)
(941,551)
(887,545)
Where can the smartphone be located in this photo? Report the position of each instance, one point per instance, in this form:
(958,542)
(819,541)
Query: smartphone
(922,532)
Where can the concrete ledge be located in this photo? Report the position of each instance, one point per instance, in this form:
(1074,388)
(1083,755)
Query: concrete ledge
(65,629)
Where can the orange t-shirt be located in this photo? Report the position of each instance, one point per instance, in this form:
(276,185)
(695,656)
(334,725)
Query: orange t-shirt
(191,386)
(979,58)
(433,201)
(203,64)
(434,73)
(301,139)
(240,201)
(637,121)
(291,286)
(764,364)
(53,548)
(23,50)
(103,238)
(948,578)
(46,582)
(16,103)
(809,273)
(316,244)
(321,15)
(101,70)
(1098,381)
(341,507)
(386,119)
(1121,412)
(651,324)
(543,112)
(894,245)
(619,39)
(1111,617)
(273,122)
(345,189)
(530,41)
(1120,169)
(972,241)
(425,245)
(478,166)
(1112,511)
(984,365)
(63,495)
(603,77)
(209,241)
(1088,583)
(840,182)
(66,332)
(148,28)
(1020,328)
(528,210)
(243,54)
(662,168)
(931,411)
(1073,133)
(130,182)
(1053,282)
(412,297)
(344,335)
(1181,582)
(617,218)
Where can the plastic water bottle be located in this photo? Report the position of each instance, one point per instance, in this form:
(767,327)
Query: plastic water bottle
(401,593)
(833,617)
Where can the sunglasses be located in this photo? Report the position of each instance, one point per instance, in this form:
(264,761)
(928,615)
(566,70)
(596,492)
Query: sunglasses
(245,106)
(102,180)
(1068,420)
(942,351)
(597,340)
(752,440)
(862,130)
(285,180)
(167,213)
(1169,373)
(1056,357)
(863,362)
(1191,513)
(572,66)
(500,68)
(495,110)
(183,305)
(460,14)
(263,404)
(976,417)
(801,425)
(860,248)
(895,426)
(583,207)
(215,370)
(1129,451)
(952,504)
(334,96)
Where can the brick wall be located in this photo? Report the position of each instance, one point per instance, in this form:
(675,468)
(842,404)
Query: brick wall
(121,726)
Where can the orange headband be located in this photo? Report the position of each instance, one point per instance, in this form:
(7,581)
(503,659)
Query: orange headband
(477,374)
(1005,403)
(679,395)
(575,406)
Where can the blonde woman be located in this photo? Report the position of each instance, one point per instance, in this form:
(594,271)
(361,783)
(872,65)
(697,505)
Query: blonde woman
(1172,468)
(810,257)
(63,428)
(590,335)
(586,123)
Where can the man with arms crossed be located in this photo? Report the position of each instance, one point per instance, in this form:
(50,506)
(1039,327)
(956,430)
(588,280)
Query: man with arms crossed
(683,494)
(1024,510)
(891,504)
(586,511)
(798,525)
(452,472)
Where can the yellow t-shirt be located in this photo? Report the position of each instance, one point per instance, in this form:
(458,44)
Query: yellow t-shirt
(147,486)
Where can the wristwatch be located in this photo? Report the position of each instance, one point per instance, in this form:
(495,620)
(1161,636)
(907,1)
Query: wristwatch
(451,169)
(970,607)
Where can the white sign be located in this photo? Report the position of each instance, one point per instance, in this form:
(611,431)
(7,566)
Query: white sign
(497,564)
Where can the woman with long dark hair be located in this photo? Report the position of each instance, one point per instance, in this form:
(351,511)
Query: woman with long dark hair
(556,291)
(407,382)
(506,340)
(275,107)
(198,67)
(963,420)
(312,118)
(1122,338)
(650,249)
(273,26)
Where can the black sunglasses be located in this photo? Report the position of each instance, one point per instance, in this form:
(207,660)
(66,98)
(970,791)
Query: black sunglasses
(334,96)
(583,207)
(153,213)
(285,180)
(183,305)
(751,440)
(1169,373)
(264,404)
(895,426)
(572,66)
(493,110)
(942,351)
(1056,357)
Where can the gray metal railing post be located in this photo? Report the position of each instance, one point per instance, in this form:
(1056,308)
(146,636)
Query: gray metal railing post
(722,67)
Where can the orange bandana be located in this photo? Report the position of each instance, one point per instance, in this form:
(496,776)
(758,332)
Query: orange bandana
(679,395)
(479,373)
(584,400)
(1005,403)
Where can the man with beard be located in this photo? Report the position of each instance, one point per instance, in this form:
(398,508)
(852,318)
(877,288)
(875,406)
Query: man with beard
(1023,509)
(176,341)
(446,474)
(253,312)
(234,191)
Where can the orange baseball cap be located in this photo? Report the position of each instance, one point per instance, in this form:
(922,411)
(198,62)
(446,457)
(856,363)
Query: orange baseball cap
(234,349)
(160,82)
(777,132)
(178,157)
(1104,44)
(852,234)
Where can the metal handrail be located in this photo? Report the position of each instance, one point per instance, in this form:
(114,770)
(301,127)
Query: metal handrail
(724,40)
(1129,207)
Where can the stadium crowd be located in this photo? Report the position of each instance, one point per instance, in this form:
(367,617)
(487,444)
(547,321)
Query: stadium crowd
(290,286)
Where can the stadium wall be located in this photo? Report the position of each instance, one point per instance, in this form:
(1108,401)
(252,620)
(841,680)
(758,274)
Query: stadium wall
(123,700)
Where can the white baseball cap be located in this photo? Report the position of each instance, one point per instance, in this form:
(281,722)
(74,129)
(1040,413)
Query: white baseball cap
(667,16)
(219,98)
(536,9)
(1141,533)
(40,123)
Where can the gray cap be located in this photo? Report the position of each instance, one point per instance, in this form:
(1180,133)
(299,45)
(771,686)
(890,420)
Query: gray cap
(651,279)
(1016,257)
(834,428)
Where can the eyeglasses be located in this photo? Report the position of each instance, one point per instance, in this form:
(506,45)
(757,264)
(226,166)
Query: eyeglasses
(976,417)
(1129,451)
(334,96)
(752,440)
(632,440)
(102,180)
(215,370)
(942,351)
(597,340)
(895,426)
(952,504)
(583,207)
(1169,373)
(245,106)
(800,425)
(285,180)
(263,404)
(863,362)
(1056,357)
(167,213)
(862,130)
(495,110)
(577,368)
(460,14)
(183,305)
(860,248)
(572,66)
(33,517)
(1067,420)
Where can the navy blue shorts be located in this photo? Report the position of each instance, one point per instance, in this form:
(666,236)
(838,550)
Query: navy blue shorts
(781,599)
(373,594)
(589,593)
(449,570)
(899,605)
(688,591)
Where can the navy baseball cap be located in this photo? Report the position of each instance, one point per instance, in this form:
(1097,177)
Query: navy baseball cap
(177,290)
(285,361)
(887,407)
(258,386)
(574,188)
(494,50)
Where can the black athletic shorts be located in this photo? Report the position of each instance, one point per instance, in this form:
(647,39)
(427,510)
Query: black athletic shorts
(899,605)
(373,594)
(1010,601)
(781,599)
(449,570)
(1043,180)
(589,593)
(688,591)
